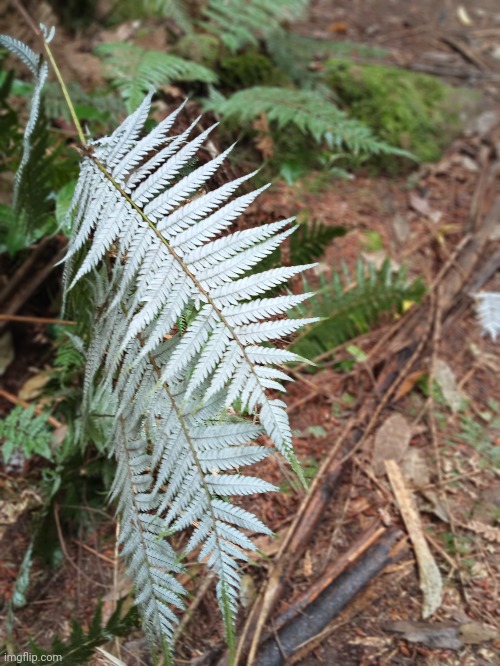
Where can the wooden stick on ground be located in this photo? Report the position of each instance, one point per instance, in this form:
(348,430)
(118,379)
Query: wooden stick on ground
(330,595)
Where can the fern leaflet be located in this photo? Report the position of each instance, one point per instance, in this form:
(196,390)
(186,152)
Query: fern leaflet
(351,305)
(309,111)
(488,312)
(135,71)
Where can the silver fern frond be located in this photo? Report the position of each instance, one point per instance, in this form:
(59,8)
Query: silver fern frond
(488,312)
(179,450)
(39,69)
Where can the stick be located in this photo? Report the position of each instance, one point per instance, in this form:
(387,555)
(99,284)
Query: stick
(36,320)
(335,595)
(13,399)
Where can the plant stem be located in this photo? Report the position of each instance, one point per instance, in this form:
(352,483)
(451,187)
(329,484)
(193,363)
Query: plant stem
(50,56)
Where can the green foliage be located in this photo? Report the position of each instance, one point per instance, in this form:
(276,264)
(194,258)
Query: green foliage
(352,305)
(80,646)
(293,54)
(42,162)
(200,48)
(307,244)
(309,112)
(247,69)
(239,23)
(97,107)
(482,436)
(311,239)
(134,70)
(23,429)
(404,108)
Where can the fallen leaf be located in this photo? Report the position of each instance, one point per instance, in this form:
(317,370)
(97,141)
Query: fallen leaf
(433,635)
(463,15)
(392,440)
(339,27)
(308,565)
(445,379)
(248,591)
(431,582)
(32,387)
(487,531)
(419,205)
(474,633)
(408,384)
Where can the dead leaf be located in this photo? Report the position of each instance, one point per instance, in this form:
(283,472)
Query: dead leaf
(431,582)
(419,205)
(415,468)
(391,442)
(32,387)
(433,635)
(445,379)
(308,565)
(401,227)
(474,633)
(339,27)
(408,384)
(487,531)
(463,15)
(248,591)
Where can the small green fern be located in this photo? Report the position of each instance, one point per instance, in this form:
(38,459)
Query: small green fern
(80,646)
(307,49)
(351,305)
(311,240)
(23,429)
(135,71)
(240,23)
(308,111)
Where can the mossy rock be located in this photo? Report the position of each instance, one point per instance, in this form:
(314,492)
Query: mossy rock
(408,110)
(248,69)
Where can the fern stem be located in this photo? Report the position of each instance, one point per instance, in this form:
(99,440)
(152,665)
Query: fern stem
(67,98)
(50,56)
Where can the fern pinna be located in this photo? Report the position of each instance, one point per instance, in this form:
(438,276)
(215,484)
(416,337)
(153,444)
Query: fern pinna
(178,449)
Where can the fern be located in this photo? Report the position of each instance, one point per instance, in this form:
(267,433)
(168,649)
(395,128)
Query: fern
(80,646)
(239,23)
(308,111)
(307,49)
(23,429)
(135,71)
(351,305)
(179,464)
(311,241)
(488,312)
(31,204)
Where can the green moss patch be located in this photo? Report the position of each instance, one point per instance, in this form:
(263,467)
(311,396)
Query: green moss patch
(408,110)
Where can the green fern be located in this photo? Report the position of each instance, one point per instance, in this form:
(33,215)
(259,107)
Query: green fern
(311,241)
(240,23)
(308,111)
(80,646)
(135,71)
(307,49)
(23,429)
(351,305)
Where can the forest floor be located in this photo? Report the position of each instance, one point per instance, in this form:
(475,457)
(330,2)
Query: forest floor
(443,222)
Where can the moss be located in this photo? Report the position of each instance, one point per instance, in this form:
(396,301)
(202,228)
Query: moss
(248,69)
(408,110)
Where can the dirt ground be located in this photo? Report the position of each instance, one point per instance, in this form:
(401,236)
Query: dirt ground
(424,221)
